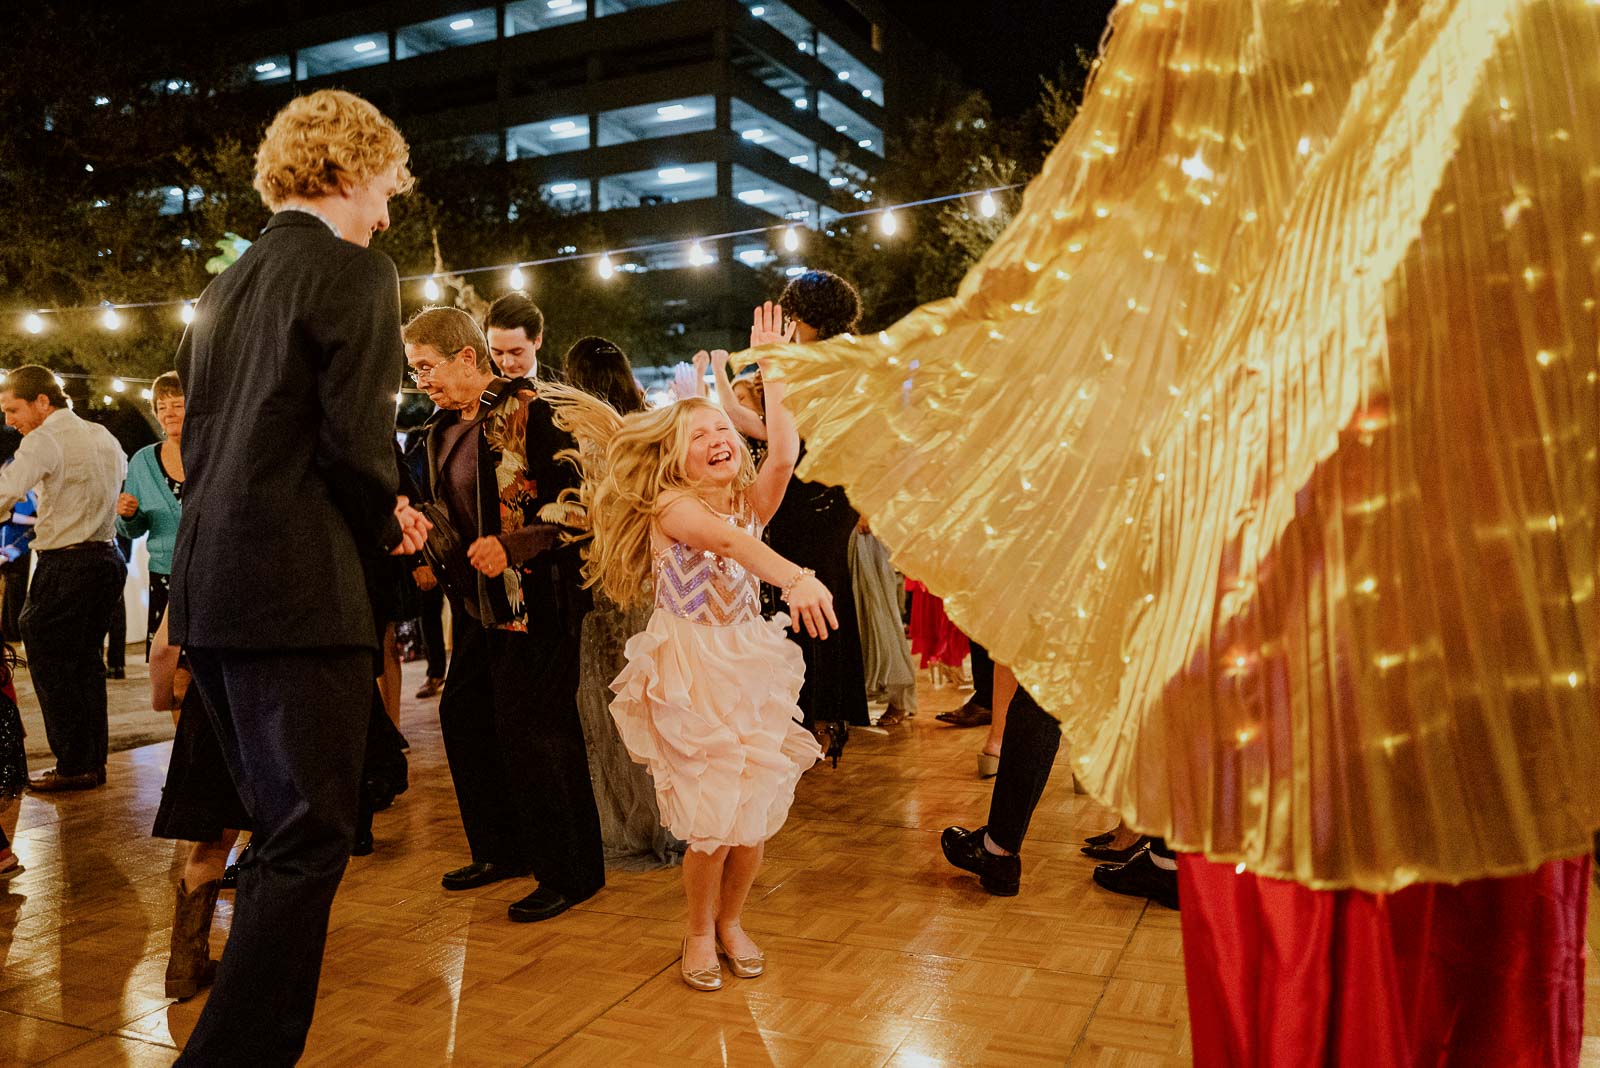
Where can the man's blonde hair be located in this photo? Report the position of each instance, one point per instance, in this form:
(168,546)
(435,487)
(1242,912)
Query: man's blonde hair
(447,331)
(325,142)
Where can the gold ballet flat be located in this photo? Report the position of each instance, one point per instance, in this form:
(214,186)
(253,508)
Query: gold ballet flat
(743,967)
(703,979)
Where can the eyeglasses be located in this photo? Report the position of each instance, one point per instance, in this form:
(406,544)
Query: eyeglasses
(423,372)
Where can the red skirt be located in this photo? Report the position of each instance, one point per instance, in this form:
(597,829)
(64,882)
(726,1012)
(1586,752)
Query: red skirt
(1486,973)
(933,637)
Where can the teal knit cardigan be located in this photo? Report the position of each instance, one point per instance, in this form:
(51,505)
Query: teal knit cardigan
(158,512)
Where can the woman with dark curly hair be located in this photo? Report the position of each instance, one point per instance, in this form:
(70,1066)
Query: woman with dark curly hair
(813,527)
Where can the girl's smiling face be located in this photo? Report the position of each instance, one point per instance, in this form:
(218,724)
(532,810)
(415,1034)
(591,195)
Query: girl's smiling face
(713,453)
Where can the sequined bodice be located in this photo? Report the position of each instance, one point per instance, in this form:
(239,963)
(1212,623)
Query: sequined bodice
(703,587)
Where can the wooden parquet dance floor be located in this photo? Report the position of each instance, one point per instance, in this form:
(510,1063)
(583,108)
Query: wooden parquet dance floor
(880,953)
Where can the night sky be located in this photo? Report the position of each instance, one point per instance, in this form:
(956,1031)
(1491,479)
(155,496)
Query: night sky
(1003,46)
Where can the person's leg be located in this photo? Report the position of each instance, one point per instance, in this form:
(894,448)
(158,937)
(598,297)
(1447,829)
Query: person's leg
(159,586)
(8,815)
(702,883)
(982,676)
(1027,753)
(738,875)
(546,767)
(1003,686)
(117,636)
(189,965)
(467,725)
(207,860)
(389,682)
(433,633)
(292,726)
(62,624)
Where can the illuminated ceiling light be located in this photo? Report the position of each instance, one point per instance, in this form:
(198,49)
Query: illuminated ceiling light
(801,103)
(604,268)
(836,181)
(564,126)
(430,289)
(673,112)
(801,160)
(266,68)
(561,189)
(462,24)
(89,167)
(844,76)
(791,239)
(866,94)
(173,87)
(987,206)
(33,323)
(175,191)
(753,256)
(697,255)
(366,46)
(865,142)
(888,223)
(101,101)
(674,174)
(755,196)
(795,272)
(187,312)
(110,319)
(118,386)
(517,278)
(758,11)
(754,135)
(1195,167)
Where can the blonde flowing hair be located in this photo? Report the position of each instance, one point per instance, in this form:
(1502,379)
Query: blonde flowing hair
(633,466)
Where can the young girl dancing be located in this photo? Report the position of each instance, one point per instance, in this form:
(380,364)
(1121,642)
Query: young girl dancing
(708,698)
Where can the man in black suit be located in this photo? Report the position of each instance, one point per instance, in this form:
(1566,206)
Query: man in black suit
(290,370)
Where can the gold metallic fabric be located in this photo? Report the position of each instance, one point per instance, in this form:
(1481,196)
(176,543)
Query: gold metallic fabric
(1262,443)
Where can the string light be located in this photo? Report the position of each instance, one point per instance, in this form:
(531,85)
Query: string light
(430,288)
(146,394)
(105,398)
(888,223)
(791,240)
(517,278)
(33,323)
(110,319)
(187,312)
(118,386)
(604,267)
(987,206)
(697,255)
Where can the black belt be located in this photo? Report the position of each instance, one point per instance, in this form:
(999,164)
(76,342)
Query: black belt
(82,546)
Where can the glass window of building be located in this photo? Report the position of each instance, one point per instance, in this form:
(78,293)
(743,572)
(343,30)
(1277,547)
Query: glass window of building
(855,79)
(569,195)
(760,129)
(602,8)
(270,68)
(846,121)
(663,119)
(451,31)
(364,51)
(661,185)
(773,197)
(548,137)
(526,16)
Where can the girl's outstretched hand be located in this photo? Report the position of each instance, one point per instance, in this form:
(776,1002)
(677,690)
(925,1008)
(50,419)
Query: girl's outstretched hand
(811,604)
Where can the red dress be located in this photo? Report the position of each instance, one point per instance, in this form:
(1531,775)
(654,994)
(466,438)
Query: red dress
(933,637)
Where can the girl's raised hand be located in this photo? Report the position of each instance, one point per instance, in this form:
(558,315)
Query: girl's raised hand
(811,604)
(766,327)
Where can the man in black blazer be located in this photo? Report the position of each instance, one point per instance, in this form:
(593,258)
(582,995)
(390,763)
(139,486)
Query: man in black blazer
(290,370)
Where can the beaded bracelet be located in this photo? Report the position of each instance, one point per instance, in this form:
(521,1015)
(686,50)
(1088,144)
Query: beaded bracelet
(788,587)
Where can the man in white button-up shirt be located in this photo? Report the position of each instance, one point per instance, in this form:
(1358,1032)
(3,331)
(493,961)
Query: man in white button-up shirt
(78,468)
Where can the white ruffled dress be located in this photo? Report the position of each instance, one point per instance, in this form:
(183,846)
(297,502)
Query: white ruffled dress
(708,701)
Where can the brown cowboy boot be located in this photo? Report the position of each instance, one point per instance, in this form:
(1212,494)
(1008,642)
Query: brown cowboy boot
(189,965)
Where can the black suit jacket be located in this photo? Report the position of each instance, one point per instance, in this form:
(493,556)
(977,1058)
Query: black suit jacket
(289,372)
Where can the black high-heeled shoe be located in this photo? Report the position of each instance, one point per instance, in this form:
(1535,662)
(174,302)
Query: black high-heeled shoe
(832,735)
(1103,838)
(1116,856)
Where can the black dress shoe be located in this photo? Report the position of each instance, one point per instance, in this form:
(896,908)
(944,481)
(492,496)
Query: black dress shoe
(1001,876)
(1140,878)
(971,714)
(543,904)
(1103,838)
(116,673)
(479,874)
(1115,856)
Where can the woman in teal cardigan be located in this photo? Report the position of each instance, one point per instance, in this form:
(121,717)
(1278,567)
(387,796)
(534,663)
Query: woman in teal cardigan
(151,499)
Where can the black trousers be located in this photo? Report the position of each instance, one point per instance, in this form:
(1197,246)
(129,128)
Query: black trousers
(509,717)
(292,725)
(71,597)
(1027,752)
(15,577)
(433,630)
(982,677)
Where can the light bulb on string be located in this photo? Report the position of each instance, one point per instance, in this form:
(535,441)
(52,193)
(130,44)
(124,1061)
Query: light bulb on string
(430,289)
(146,394)
(697,255)
(62,382)
(517,278)
(33,323)
(888,223)
(105,399)
(604,267)
(987,206)
(110,319)
(118,386)
(186,313)
(791,240)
